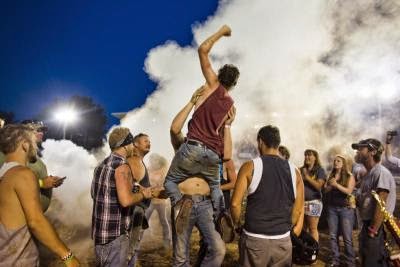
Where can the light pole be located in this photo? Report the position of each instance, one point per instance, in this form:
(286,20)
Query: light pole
(66,116)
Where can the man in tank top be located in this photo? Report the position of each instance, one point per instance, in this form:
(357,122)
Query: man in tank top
(141,143)
(21,214)
(203,150)
(274,204)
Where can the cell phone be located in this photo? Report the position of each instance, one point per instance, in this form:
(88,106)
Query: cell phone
(62,178)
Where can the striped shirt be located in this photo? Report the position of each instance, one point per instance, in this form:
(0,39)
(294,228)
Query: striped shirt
(109,219)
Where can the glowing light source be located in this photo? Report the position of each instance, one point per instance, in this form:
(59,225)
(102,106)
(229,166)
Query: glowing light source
(66,116)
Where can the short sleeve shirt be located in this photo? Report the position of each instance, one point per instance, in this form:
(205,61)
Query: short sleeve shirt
(310,193)
(378,178)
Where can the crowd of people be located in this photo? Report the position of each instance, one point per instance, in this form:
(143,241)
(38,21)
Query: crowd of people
(282,201)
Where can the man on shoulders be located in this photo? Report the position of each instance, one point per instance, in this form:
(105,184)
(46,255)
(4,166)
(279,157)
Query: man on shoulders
(196,196)
(203,150)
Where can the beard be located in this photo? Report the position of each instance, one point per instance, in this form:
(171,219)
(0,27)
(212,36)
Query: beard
(32,154)
(359,159)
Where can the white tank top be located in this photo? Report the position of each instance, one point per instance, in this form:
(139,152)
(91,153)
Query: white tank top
(6,167)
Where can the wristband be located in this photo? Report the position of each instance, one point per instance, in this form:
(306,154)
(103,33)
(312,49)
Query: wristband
(67,257)
(227,126)
(41,183)
(372,230)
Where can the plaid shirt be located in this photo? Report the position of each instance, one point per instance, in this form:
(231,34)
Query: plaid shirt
(109,219)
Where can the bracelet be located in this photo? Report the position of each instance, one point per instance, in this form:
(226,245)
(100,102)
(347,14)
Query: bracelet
(41,183)
(372,230)
(227,126)
(67,257)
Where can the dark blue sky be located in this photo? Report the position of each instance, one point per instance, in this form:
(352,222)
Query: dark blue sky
(56,49)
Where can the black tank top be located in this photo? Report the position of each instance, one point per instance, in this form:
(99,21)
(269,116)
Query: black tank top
(269,207)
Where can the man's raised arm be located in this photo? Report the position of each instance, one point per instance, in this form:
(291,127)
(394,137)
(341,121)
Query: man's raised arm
(204,50)
(388,152)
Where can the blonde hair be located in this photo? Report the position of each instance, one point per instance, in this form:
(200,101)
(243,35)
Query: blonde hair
(13,134)
(118,134)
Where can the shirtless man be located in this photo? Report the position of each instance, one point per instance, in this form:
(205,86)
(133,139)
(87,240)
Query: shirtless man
(198,192)
(20,211)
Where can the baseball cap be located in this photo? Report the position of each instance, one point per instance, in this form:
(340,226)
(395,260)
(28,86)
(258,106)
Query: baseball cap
(36,125)
(370,143)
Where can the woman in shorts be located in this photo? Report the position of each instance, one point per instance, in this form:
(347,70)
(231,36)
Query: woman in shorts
(314,178)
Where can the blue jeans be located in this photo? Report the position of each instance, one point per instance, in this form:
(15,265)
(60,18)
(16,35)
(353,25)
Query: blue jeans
(201,216)
(372,250)
(343,218)
(189,161)
(135,235)
(114,253)
(161,207)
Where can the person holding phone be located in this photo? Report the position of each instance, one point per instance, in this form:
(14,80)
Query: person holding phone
(388,149)
(46,182)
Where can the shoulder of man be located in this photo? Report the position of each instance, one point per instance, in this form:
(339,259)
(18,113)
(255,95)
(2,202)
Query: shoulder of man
(382,178)
(24,174)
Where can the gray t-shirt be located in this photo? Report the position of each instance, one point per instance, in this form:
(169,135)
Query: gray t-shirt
(378,177)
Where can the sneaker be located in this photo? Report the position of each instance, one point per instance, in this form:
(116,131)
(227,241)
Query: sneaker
(225,227)
(182,219)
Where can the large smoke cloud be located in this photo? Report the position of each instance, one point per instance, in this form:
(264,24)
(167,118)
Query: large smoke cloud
(325,72)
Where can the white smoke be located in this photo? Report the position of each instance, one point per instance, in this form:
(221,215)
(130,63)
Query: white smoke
(325,72)
(63,158)
(317,69)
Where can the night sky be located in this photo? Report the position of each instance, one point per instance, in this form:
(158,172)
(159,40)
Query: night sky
(56,49)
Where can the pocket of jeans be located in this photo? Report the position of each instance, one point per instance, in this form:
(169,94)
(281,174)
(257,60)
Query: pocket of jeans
(253,243)
(213,158)
(285,243)
(102,252)
(188,158)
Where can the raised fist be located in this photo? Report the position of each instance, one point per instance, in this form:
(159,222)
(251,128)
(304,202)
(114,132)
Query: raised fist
(226,30)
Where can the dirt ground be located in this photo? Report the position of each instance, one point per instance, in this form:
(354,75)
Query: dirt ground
(152,252)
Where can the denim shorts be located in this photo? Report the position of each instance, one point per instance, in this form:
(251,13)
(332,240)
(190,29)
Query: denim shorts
(313,208)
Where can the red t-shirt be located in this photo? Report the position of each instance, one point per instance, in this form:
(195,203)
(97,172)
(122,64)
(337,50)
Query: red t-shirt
(208,117)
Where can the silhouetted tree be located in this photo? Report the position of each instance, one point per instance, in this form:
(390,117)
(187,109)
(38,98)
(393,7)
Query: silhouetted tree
(88,130)
(7,116)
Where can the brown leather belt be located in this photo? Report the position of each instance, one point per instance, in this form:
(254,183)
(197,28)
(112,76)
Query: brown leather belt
(197,197)
(196,143)
(200,144)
